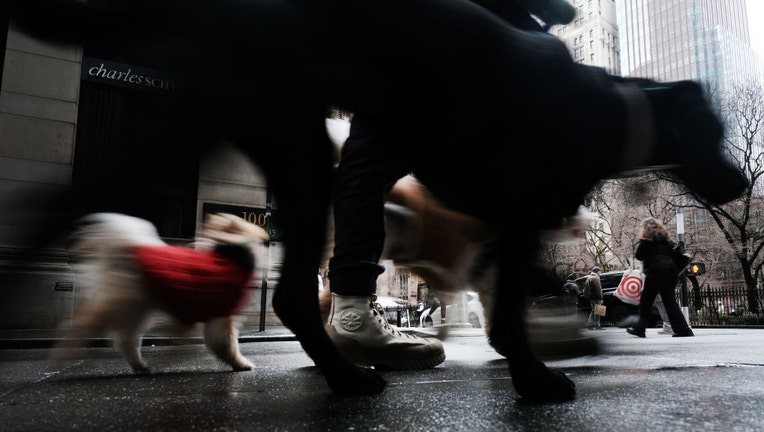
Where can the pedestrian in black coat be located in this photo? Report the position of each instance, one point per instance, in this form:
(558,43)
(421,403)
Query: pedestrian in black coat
(661,276)
(593,291)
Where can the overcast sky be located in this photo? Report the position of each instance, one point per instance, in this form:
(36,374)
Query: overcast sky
(756,24)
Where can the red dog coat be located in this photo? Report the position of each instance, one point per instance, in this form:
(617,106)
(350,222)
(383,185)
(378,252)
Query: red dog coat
(194,286)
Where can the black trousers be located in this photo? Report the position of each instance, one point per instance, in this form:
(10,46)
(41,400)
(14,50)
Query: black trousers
(661,281)
(365,174)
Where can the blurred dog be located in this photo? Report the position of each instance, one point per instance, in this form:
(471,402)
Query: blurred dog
(129,278)
(454,252)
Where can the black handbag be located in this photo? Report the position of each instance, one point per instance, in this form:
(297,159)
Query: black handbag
(681,259)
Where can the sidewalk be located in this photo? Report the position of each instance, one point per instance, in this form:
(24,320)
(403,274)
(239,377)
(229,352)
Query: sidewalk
(712,382)
(46,338)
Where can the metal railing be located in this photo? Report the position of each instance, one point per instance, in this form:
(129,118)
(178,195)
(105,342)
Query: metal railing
(733,306)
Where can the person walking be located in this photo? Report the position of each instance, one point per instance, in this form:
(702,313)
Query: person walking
(593,291)
(570,294)
(369,167)
(366,172)
(661,276)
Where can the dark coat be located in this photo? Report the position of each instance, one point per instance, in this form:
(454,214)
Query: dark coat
(656,256)
(595,287)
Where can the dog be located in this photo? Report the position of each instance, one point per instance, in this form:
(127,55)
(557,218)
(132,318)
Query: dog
(129,278)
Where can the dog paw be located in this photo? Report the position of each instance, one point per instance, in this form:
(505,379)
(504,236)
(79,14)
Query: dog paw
(244,365)
(538,383)
(141,370)
(357,381)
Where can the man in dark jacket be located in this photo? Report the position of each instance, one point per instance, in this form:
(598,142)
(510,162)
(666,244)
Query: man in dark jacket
(595,298)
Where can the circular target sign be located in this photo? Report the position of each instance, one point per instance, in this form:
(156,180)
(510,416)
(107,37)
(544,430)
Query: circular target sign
(630,287)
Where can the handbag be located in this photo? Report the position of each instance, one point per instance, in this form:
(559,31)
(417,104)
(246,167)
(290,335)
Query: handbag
(681,259)
(630,288)
(600,309)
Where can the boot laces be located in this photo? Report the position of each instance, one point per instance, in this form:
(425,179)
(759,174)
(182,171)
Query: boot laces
(375,308)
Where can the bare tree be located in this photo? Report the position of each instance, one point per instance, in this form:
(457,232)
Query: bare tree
(620,205)
(741,222)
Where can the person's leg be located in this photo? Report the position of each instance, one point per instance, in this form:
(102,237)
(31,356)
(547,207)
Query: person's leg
(591,322)
(646,300)
(664,316)
(366,172)
(364,175)
(597,318)
(673,311)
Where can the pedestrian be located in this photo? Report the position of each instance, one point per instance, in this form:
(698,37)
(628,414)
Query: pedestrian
(365,174)
(661,276)
(367,170)
(570,294)
(593,292)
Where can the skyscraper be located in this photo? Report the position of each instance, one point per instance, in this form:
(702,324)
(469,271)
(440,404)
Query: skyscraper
(702,40)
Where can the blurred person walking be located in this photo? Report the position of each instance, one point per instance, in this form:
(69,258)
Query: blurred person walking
(367,171)
(661,276)
(593,292)
(570,294)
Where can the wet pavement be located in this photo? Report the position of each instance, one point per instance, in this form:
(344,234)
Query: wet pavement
(712,382)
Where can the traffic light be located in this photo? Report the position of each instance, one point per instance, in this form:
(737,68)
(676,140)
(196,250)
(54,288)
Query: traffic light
(696,269)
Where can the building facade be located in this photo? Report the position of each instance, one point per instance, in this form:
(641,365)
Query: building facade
(592,38)
(701,40)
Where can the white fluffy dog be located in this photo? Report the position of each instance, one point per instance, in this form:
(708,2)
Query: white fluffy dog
(128,277)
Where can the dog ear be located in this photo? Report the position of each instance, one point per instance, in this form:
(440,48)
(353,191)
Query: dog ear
(217,221)
(573,227)
(256,232)
(232,229)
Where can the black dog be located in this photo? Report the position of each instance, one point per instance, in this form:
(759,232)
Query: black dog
(479,108)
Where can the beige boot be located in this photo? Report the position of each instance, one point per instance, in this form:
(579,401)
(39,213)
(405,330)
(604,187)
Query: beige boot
(364,337)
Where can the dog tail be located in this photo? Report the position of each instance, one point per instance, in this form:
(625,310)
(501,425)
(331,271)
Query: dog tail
(101,233)
(573,227)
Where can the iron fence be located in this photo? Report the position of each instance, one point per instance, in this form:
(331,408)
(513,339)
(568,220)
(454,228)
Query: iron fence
(733,306)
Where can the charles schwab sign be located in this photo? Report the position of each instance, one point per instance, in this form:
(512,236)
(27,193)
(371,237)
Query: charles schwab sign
(124,75)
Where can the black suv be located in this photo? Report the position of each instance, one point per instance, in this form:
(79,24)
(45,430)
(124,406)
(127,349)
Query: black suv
(616,309)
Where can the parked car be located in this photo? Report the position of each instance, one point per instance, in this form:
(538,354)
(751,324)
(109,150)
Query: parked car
(395,310)
(617,311)
(475,316)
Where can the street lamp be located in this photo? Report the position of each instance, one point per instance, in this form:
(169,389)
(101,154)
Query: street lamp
(682,276)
